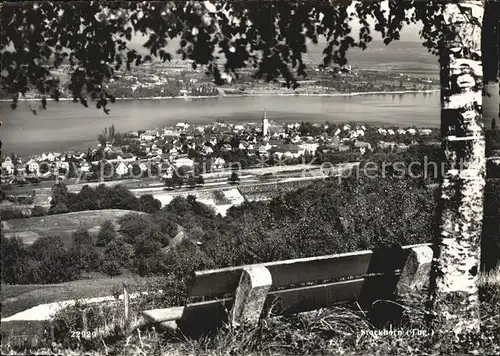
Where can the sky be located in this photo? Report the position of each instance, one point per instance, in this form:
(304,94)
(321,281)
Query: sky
(409,33)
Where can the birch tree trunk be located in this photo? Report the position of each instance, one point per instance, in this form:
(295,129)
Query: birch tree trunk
(454,298)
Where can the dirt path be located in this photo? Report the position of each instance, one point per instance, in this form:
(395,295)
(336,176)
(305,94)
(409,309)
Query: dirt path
(47,311)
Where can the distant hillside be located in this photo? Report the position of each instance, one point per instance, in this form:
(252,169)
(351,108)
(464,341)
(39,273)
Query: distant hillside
(406,57)
(63,225)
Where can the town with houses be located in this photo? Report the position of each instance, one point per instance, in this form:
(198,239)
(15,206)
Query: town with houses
(183,145)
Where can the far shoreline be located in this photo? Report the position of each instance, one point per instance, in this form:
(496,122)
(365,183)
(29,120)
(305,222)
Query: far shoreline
(84,144)
(188,97)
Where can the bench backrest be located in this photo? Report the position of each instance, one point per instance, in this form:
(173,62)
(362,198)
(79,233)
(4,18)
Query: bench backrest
(221,282)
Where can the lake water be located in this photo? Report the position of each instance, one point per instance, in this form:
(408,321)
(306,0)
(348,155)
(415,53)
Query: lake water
(67,125)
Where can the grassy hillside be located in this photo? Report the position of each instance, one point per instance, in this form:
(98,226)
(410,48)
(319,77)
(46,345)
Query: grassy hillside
(16,298)
(30,229)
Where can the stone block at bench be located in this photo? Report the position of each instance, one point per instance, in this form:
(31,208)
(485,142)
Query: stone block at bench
(250,296)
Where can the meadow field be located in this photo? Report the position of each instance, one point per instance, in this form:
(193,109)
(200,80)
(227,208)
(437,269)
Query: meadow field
(16,298)
(62,225)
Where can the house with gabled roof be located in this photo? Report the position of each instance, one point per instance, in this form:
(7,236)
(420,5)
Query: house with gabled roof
(262,148)
(8,166)
(33,166)
(121,169)
(219,163)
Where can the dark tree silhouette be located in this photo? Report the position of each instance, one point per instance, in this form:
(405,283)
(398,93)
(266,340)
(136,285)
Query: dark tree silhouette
(107,233)
(136,170)
(94,39)
(192,181)
(149,204)
(169,183)
(234,178)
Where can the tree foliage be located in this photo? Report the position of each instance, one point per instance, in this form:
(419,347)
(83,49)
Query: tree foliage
(132,225)
(83,250)
(234,178)
(149,204)
(14,255)
(102,197)
(116,256)
(271,37)
(50,262)
(107,233)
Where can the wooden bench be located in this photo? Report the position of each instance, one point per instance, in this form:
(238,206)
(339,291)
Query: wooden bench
(244,294)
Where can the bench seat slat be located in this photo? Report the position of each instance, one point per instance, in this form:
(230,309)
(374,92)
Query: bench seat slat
(303,299)
(287,301)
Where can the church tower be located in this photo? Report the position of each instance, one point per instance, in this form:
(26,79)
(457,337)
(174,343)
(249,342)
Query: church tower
(265,124)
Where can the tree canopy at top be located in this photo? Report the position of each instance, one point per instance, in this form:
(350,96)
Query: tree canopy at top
(93,38)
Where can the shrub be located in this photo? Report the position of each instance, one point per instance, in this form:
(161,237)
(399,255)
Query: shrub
(166,222)
(103,197)
(149,259)
(11,213)
(25,200)
(15,261)
(234,178)
(107,233)
(53,263)
(115,257)
(132,225)
(111,268)
(149,204)
(84,252)
(59,208)
(38,211)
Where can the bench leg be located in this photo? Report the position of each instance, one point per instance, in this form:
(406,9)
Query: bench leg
(250,296)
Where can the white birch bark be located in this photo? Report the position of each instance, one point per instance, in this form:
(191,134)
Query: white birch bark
(454,295)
